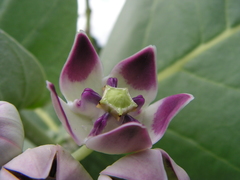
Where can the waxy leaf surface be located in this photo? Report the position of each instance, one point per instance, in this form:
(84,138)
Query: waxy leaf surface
(22,81)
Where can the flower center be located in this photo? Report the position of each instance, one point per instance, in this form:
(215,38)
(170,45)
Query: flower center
(117,101)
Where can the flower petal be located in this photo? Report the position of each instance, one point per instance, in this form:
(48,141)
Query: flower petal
(87,105)
(104,177)
(173,170)
(149,164)
(146,164)
(112,82)
(69,168)
(76,125)
(139,100)
(138,73)
(37,163)
(127,118)
(157,116)
(11,132)
(42,156)
(99,124)
(129,137)
(82,70)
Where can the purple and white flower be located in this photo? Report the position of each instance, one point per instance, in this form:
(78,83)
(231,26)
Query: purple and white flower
(113,114)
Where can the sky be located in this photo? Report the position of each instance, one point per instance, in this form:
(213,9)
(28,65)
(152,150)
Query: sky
(103,17)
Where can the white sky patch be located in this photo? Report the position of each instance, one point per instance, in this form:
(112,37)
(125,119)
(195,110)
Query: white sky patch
(103,17)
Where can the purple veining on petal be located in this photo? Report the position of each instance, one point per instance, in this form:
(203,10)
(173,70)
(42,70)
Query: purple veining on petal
(59,110)
(167,110)
(139,70)
(2,103)
(11,143)
(11,132)
(99,124)
(127,118)
(89,95)
(112,82)
(82,59)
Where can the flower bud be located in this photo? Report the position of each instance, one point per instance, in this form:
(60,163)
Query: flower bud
(11,132)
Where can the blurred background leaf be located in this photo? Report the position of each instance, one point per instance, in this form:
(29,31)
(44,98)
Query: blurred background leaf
(22,79)
(198,46)
(45,27)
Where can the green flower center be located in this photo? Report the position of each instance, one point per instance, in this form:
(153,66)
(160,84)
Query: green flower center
(117,101)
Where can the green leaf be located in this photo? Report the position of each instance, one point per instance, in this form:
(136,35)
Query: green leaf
(198,52)
(22,81)
(45,27)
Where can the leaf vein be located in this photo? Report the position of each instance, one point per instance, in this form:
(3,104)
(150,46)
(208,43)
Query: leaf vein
(177,66)
(204,149)
(210,81)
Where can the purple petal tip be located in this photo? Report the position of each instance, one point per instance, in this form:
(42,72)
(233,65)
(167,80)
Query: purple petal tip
(82,59)
(139,70)
(50,86)
(169,107)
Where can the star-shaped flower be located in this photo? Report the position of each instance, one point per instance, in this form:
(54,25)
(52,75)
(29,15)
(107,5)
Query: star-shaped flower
(113,114)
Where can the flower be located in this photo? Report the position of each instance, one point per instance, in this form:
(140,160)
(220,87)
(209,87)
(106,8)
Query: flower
(44,162)
(112,114)
(154,164)
(11,132)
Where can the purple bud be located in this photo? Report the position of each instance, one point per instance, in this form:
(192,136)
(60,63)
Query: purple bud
(112,82)
(99,124)
(11,132)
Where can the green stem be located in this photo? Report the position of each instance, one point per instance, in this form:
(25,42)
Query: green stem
(81,153)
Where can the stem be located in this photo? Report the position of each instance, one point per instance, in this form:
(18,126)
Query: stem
(81,153)
(47,119)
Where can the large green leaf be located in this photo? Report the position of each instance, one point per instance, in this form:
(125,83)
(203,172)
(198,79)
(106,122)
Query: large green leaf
(22,81)
(45,27)
(198,45)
